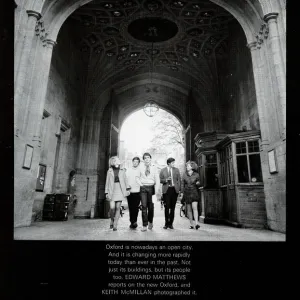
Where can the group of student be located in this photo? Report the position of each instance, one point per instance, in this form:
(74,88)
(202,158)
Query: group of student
(141,181)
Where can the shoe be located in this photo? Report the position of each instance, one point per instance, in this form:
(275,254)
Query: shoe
(165,227)
(144,228)
(111,226)
(192,227)
(115,229)
(135,225)
(131,226)
(197,226)
(171,227)
(150,226)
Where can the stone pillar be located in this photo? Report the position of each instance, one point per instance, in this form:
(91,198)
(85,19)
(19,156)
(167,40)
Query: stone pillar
(279,70)
(21,70)
(261,98)
(39,90)
(266,64)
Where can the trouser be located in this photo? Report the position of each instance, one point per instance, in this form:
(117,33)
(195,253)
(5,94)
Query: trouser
(147,204)
(133,200)
(170,198)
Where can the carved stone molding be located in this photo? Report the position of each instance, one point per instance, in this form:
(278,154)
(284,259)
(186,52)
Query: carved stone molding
(252,46)
(46,114)
(32,13)
(65,125)
(270,16)
(179,35)
(40,30)
(262,34)
(260,37)
(49,43)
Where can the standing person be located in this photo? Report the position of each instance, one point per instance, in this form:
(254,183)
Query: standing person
(149,183)
(170,178)
(189,187)
(116,189)
(134,198)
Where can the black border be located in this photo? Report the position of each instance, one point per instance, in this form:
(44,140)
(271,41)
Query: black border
(6,142)
(234,269)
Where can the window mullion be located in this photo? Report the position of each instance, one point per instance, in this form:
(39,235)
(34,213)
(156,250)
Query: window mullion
(248,162)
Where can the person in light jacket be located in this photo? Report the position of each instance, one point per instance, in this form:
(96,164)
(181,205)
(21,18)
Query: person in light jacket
(149,182)
(116,189)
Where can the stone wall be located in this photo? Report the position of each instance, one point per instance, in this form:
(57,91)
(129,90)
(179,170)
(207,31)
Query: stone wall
(237,87)
(239,106)
(275,187)
(63,100)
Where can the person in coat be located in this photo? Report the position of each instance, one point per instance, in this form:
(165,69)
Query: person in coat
(116,189)
(171,184)
(190,184)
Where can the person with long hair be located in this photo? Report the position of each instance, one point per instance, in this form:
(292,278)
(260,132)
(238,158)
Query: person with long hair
(116,189)
(189,190)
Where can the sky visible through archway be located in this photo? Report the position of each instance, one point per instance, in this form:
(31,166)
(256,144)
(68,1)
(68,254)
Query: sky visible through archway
(139,134)
(136,132)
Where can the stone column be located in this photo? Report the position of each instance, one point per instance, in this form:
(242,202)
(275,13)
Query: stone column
(21,70)
(39,91)
(278,63)
(259,79)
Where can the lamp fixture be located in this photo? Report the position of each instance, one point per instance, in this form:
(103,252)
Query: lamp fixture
(151,108)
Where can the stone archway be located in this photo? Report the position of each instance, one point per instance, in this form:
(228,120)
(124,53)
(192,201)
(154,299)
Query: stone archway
(263,23)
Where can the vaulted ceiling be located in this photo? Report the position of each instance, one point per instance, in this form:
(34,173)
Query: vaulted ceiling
(187,37)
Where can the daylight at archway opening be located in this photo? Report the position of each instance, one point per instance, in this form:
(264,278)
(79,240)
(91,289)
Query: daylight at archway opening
(161,136)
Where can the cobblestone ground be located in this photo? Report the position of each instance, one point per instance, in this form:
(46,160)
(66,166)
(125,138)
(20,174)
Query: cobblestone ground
(98,229)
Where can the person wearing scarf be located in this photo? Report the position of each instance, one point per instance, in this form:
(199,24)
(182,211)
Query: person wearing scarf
(149,182)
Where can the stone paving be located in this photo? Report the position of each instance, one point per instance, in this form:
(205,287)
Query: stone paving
(98,229)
